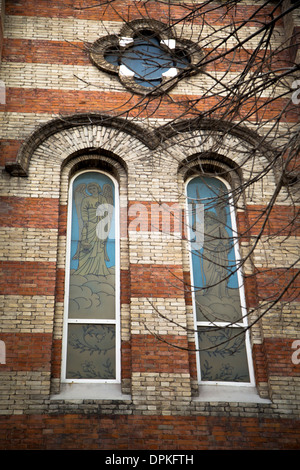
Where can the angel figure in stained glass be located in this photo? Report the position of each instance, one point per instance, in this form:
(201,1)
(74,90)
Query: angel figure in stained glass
(94,206)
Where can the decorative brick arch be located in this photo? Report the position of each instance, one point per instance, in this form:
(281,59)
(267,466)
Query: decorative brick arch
(59,138)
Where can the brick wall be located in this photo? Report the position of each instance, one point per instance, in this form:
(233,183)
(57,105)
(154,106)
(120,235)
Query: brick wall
(52,125)
(100,432)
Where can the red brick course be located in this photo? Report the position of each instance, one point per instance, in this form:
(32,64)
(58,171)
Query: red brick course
(164,354)
(150,280)
(147,353)
(62,9)
(8,150)
(278,284)
(27,351)
(76,53)
(29,212)
(279,360)
(43,213)
(281,221)
(166,217)
(139,432)
(45,52)
(27,278)
(28,100)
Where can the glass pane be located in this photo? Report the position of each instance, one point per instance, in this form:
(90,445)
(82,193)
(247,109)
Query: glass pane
(213,258)
(112,56)
(182,59)
(147,60)
(223,356)
(92,264)
(91,352)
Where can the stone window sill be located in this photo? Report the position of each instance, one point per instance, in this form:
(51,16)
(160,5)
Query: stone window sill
(90,391)
(228,393)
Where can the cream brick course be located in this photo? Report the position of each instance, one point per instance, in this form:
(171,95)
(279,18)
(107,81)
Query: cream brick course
(22,390)
(28,244)
(159,316)
(72,29)
(89,78)
(20,125)
(285,395)
(276,252)
(58,29)
(282,320)
(26,314)
(46,161)
(152,247)
(161,391)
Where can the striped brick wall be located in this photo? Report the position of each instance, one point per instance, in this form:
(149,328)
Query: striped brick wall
(48,75)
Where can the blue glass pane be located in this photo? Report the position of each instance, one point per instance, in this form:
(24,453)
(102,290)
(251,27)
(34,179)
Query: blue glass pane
(112,57)
(90,192)
(147,59)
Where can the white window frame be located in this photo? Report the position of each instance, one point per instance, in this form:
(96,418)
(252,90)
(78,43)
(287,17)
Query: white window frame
(115,321)
(244,324)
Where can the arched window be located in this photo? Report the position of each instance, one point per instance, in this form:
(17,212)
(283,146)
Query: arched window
(218,298)
(91,346)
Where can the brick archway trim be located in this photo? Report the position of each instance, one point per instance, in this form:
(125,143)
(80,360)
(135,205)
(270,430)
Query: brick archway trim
(150,139)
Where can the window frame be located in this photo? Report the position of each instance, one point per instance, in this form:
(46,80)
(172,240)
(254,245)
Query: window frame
(117,320)
(168,41)
(241,289)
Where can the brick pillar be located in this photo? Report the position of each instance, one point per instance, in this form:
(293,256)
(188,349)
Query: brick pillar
(159,345)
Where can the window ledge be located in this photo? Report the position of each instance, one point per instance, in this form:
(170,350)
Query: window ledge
(90,391)
(228,393)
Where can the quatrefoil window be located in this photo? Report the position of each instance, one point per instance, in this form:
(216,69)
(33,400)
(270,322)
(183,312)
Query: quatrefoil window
(146,56)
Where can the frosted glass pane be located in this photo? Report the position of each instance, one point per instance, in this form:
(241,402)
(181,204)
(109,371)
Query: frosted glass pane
(215,279)
(91,352)
(223,355)
(92,263)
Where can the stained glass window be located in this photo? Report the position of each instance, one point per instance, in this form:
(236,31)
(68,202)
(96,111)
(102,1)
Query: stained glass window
(92,326)
(220,313)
